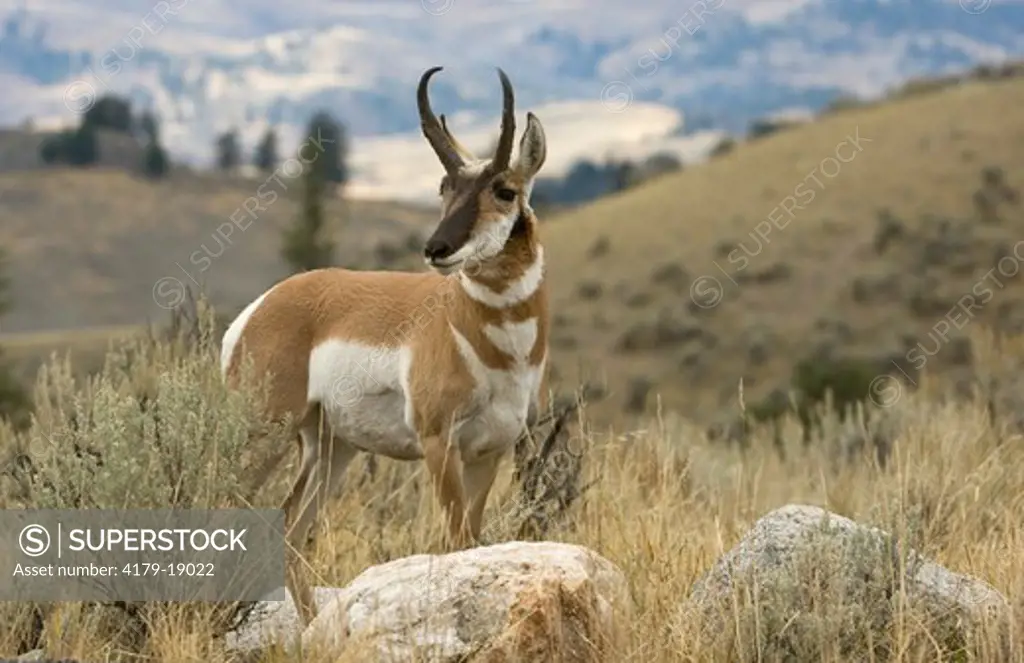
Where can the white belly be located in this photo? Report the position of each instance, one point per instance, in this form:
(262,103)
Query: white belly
(364,394)
(360,390)
(377,425)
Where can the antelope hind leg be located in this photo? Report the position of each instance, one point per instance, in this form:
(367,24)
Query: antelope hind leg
(318,482)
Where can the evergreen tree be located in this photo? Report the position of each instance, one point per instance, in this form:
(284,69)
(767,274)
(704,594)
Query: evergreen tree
(305,245)
(51,150)
(329,138)
(265,157)
(77,147)
(229,151)
(15,404)
(623,174)
(661,163)
(155,163)
(5,286)
(149,127)
(81,147)
(110,112)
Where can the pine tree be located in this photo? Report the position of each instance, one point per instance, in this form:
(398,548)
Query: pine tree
(5,286)
(81,146)
(265,157)
(623,174)
(15,404)
(149,127)
(110,112)
(76,147)
(155,163)
(305,245)
(229,151)
(327,134)
(51,150)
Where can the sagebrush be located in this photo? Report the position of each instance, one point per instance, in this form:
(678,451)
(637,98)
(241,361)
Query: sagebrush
(662,502)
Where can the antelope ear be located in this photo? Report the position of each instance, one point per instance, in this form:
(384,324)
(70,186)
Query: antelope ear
(533,148)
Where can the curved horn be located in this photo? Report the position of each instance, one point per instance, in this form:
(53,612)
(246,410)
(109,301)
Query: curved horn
(459,147)
(503,154)
(432,129)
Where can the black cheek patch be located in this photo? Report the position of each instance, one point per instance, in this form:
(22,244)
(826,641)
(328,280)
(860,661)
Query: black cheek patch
(456,228)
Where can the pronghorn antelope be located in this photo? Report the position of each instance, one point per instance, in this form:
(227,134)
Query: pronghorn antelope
(446,365)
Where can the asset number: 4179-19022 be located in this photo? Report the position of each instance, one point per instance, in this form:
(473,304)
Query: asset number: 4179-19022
(204,569)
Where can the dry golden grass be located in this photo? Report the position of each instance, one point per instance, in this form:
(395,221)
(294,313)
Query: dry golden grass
(665,503)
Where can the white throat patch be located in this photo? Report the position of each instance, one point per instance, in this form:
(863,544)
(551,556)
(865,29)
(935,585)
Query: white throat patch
(486,244)
(517,291)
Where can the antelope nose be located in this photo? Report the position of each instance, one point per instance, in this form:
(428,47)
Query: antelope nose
(437,249)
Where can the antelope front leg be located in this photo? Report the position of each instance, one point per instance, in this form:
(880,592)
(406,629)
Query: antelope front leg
(479,477)
(445,466)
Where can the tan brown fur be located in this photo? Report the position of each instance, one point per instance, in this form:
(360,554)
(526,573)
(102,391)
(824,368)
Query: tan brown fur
(375,307)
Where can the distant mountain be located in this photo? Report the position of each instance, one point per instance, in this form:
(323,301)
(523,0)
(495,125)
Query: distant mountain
(719,63)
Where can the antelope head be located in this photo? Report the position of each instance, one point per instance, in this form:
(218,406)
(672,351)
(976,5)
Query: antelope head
(481,199)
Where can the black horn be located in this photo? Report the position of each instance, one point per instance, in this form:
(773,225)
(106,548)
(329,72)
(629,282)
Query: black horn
(432,129)
(503,154)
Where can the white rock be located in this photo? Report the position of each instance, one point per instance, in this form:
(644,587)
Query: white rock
(774,542)
(275,622)
(527,601)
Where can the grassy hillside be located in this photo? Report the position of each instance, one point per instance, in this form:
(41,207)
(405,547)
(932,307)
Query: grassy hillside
(882,248)
(88,246)
(87,249)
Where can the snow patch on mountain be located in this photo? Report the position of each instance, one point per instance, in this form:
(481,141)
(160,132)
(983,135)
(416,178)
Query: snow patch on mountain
(604,75)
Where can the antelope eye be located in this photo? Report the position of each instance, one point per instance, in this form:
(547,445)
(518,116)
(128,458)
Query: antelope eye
(508,195)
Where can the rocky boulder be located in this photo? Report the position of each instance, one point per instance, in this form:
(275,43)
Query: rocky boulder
(802,570)
(273,623)
(507,602)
